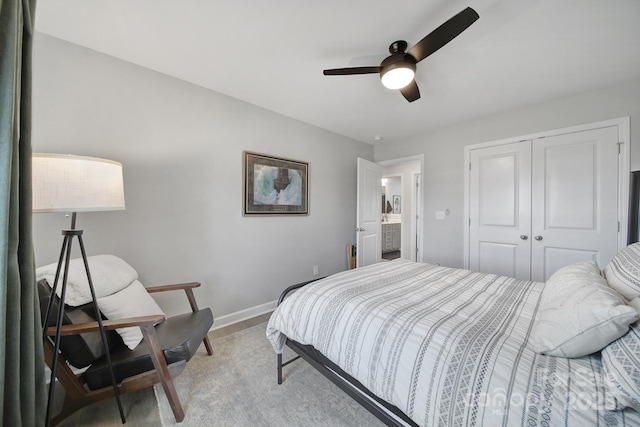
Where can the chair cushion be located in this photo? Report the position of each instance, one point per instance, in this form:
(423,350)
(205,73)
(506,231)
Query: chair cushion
(179,337)
(84,349)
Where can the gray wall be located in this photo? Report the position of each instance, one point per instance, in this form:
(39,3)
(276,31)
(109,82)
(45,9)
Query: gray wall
(181,147)
(443,151)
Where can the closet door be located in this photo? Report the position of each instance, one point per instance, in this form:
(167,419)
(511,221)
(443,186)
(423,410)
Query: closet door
(574,200)
(500,209)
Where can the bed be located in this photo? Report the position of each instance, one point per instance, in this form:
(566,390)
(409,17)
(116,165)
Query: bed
(425,345)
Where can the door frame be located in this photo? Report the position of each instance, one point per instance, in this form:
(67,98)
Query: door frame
(624,144)
(399,176)
(417,210)
(416,182)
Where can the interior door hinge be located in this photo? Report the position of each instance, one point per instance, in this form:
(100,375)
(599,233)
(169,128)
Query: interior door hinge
(469,166)
(619,146)
(618,226)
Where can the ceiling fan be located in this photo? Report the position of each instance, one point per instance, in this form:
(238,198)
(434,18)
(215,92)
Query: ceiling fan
(398,69)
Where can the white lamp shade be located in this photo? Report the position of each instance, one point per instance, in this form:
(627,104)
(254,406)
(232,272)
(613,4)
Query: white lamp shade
(66,183)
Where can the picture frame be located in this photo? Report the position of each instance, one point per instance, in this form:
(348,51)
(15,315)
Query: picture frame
(275,185)
(396,204)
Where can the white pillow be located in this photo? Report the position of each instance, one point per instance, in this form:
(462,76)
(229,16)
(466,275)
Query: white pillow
(579,314)
(621,363)
(623,272)
(109,274)
(132,301)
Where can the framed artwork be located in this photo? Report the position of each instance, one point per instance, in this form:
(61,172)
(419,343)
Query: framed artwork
(396,204)
(275,186)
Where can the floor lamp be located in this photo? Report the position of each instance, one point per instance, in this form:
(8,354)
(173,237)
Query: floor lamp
(72,184)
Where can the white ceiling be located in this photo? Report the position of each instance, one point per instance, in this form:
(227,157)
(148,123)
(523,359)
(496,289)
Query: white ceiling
(272,53)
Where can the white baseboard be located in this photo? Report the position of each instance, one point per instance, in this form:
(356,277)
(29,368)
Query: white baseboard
(239,316)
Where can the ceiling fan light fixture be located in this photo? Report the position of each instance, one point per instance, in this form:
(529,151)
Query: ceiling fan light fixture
(397,78)
(397,70)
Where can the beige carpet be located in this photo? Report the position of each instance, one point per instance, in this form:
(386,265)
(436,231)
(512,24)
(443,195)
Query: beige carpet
(237,387)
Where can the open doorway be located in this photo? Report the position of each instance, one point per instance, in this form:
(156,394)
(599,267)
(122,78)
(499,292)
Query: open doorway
(401,208)
(391,242)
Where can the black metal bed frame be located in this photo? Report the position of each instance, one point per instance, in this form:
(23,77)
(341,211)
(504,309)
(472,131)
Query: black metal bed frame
(378,407)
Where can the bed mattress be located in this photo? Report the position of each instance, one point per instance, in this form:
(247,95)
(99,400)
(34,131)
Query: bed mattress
(446,346)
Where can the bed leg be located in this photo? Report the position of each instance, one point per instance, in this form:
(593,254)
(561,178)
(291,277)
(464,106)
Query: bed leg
(282,364)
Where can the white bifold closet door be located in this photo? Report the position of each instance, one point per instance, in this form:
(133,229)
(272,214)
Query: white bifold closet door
(538,205)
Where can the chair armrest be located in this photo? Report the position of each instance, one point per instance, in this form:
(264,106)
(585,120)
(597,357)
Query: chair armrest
(80,328)
(175,287)
(188,289)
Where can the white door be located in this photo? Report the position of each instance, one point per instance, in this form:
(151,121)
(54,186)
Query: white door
(538,205)
(500,210)
(369,207)
(574,200)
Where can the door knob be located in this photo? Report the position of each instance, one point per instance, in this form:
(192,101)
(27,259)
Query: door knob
(524,236)
(538,238)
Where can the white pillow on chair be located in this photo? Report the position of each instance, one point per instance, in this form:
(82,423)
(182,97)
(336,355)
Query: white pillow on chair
(109,274)
(132,301)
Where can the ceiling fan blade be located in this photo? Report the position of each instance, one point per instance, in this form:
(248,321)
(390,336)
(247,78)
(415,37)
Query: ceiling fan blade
(443,34)
(352,70)
(411,91)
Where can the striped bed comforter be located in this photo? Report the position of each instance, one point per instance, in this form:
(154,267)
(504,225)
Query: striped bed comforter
(446,346)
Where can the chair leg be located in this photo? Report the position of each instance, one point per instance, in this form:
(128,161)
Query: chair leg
(174,400)
(207,345)
(194,307)
(69,406)
(159,362)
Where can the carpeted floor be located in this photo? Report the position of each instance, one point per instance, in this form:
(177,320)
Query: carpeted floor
(237,387)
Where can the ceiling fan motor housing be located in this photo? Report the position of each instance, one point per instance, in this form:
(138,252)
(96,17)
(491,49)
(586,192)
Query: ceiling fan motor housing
(399,61)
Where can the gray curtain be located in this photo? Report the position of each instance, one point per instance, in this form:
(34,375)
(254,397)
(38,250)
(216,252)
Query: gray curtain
(22,385)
